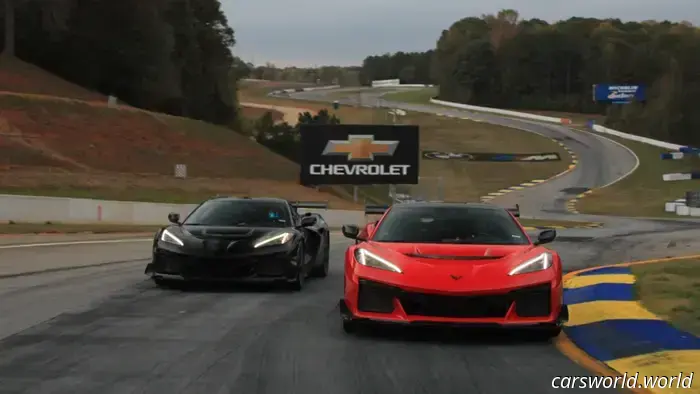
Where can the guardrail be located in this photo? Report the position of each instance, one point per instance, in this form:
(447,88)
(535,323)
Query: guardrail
(564,121)
(38,209)
(385,82)
(497,111)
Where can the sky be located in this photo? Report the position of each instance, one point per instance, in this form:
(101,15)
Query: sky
(307,33)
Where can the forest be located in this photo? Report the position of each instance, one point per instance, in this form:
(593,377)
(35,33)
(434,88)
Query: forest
(171,56)
(505,62)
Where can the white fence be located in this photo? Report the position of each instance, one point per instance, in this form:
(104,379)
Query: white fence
(385,83)
(564,121)
(36,209)
(497,111)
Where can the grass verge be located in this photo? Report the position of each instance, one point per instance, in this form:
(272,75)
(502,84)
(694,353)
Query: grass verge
(644,192)
(64,228)
(671,290)
(414,96)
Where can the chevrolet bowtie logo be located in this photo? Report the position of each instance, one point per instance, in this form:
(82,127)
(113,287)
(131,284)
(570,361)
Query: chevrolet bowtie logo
(360,147)
(456,277)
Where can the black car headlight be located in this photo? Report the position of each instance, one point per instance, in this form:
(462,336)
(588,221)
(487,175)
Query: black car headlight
(273,239)
(168,237)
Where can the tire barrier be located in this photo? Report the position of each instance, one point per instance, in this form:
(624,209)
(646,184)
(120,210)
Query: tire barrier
(690,205)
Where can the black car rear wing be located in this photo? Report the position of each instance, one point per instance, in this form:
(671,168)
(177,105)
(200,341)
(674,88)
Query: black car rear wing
(375,209)
(309,204)
(515,211)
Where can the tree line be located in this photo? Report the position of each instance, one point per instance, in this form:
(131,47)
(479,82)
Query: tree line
(408,67)
(171,56)
(285,139)
(505,62)
(324,75)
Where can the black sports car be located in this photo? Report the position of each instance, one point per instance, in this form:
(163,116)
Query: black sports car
(232,238)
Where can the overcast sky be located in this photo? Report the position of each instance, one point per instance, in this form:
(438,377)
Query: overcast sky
(324,32)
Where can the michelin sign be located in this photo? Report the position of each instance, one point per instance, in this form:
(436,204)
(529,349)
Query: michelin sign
(618,94)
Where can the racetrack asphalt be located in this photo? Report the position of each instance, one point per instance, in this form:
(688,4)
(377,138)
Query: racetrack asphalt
(111,330)
(108,329)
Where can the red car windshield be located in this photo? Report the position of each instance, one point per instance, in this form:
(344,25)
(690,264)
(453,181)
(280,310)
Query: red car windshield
(449,225)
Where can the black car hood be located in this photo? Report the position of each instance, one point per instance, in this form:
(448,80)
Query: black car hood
(228,233)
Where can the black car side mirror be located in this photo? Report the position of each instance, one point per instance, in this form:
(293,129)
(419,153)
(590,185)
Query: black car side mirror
(351,231)
(546,236)
(308,221)
(174,218)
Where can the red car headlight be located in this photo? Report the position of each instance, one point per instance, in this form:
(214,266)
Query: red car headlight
(539,263)
(369,259)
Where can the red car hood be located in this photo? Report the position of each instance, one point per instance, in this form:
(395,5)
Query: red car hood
(454,267)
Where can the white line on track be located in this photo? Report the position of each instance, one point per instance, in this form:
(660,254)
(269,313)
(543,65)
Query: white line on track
(70,243)
(336,240)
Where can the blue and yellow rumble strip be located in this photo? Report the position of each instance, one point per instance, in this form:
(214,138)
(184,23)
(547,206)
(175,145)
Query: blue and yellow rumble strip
(610,325)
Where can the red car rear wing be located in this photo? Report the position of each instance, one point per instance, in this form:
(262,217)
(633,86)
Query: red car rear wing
(376,209)
(515,211)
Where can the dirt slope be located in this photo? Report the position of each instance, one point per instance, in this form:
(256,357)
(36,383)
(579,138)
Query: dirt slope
(53,146)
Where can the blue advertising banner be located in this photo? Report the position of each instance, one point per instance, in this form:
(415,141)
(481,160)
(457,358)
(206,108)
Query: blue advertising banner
(619,94)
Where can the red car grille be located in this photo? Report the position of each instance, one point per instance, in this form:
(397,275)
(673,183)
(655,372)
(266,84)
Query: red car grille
(420,304)
(529,302)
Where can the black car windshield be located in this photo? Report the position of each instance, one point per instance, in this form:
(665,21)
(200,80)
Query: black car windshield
(450,225)
(243,213)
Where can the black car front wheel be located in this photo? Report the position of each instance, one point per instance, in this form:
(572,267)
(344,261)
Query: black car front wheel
(165,283)
(298,283)
(321,270)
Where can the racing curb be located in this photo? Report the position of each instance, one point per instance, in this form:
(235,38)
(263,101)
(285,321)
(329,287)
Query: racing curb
(572,343)
(573,164)
(571,204)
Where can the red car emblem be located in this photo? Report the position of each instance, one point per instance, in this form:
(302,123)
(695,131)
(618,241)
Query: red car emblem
(456,277)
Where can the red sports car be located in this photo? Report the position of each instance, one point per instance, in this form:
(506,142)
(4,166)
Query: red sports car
(451,263)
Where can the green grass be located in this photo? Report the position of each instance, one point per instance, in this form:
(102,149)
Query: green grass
(414,96)
(672,291)
(644,192)
(65,228)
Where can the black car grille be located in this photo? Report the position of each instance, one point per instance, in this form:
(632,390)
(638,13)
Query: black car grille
(229,267)
(530,302)
(211,268)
